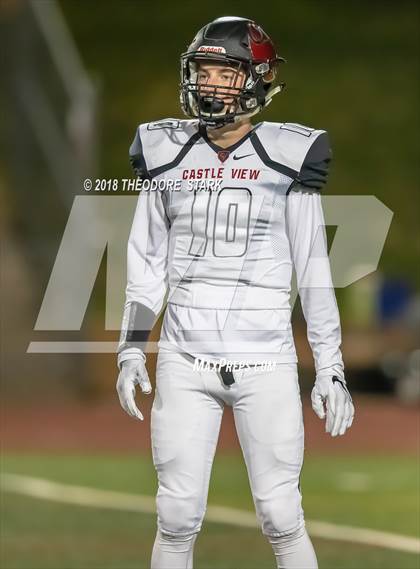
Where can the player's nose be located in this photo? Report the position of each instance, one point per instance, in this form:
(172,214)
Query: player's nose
(214,79)
(206,88)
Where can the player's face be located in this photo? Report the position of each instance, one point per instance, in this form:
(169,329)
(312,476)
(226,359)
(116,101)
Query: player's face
(228,80)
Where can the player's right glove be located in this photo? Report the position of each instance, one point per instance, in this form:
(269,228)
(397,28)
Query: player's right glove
(331,399)
(133,372)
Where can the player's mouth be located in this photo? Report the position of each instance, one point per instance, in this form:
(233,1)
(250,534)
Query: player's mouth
(211,105)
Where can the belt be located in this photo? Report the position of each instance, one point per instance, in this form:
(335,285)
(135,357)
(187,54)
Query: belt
(227,376)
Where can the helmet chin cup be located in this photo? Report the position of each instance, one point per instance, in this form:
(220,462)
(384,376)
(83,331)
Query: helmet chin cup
(210,105)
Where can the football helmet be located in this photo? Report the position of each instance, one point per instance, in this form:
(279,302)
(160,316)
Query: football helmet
(242,45)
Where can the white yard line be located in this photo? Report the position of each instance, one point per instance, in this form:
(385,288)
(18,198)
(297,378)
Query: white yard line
(92,497)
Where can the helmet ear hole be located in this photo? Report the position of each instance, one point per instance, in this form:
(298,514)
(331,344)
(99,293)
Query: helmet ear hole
(269,76)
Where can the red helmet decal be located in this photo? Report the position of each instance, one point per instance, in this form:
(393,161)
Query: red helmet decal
(261,46)
(256,33)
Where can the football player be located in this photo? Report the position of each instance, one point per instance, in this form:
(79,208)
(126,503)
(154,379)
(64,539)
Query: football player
(239,209)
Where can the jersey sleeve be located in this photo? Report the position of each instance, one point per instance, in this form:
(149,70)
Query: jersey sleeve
(307,237)
(137,160)
(147,251)
(315,167)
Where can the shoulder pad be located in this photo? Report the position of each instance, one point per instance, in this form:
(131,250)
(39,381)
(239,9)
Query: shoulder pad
(158,143)
(305,151)
(287,143)
(314,170)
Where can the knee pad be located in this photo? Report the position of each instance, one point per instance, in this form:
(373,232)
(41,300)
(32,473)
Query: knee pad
(179,518)
(281,516)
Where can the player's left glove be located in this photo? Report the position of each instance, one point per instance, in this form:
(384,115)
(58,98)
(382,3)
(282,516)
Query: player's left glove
(331,398)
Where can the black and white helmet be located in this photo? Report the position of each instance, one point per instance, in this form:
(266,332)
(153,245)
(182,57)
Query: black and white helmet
(243,45)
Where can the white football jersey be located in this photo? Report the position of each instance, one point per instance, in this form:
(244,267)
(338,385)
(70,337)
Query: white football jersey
(221,238)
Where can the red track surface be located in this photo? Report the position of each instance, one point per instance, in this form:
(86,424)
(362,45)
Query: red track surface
(381,425)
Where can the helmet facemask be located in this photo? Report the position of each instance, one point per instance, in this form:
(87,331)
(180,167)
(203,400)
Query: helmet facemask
(216,105)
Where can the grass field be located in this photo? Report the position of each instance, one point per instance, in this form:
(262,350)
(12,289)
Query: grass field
(371,492)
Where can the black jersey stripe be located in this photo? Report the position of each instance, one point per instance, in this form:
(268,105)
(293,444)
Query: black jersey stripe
(180,156)
(277,166)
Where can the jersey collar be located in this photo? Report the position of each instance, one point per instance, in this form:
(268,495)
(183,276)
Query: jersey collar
(203,132)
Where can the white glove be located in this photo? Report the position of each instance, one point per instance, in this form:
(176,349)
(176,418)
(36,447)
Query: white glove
(132,372)
(331,392)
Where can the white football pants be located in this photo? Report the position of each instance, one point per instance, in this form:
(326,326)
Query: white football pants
(185,423)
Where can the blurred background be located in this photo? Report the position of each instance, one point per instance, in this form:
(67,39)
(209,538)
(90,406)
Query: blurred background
(78,79)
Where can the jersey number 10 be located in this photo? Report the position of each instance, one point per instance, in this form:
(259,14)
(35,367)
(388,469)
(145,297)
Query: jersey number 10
(229,226)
